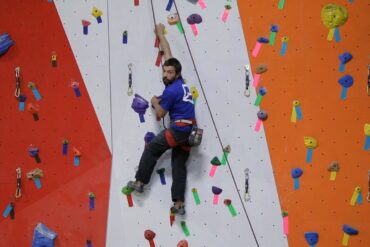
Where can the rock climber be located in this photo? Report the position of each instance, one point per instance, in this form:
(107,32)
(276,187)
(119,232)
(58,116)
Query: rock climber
(176,100)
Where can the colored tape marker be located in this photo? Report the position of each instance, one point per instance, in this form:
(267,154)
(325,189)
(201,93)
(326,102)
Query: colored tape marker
(77,91)
(256,79)
(354,197)
(256,49)
(179,26)
(293,117)
(88,243)
(212,171)
(342,67)
(272,38)
(284,47)
(162,178)
(21,106)
(333,176)
(232,210)
(91,203)
(331,34)
(299,112)
(281,4)
(202,4)
(345,239)
(185,229)
(65,149)
(359,198)
(367,143)
(258,100)
(7,210)
(215,199)
(337,35)
(37,183)
(296,183)
(286,224)
(258,125)
(85,30)
(142,119)
(196,196)
(194,29)
(225,15)
(309,155)
(169,5)
(136,2)
(343,94)
(224,158)
(76,160)
(124,37)
(36,93)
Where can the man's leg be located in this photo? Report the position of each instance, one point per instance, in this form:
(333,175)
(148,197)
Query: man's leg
(151,154)
(180,155)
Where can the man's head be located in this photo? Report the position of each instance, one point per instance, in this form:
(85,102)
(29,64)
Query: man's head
(171,71)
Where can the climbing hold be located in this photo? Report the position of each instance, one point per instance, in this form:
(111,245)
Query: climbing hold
(150,235)
(334,15)
(21,98)
(215,163)
(296,173)
(5,43)
(97,13)
(232,210)
(346,82)
(33,109)
(216,191)
(85,25)
(310,143)
(192,20)
(182,243)
(262,116)
(149,136)
(43,236)
(333,169)
(312,238)
(348,231)
(139,104)
(160,172)
(34,152)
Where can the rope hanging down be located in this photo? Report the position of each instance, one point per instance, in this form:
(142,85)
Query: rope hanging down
(209,109)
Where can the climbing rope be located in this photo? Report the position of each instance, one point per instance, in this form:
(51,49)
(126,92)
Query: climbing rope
(210,111)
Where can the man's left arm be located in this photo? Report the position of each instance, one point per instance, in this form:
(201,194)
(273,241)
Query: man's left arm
(159,111)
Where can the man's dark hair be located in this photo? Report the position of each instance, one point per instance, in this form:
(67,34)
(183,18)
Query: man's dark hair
(174,63)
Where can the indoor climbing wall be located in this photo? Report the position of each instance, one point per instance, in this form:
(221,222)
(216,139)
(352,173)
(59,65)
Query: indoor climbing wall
(226,115)
(52,126)
(304,65)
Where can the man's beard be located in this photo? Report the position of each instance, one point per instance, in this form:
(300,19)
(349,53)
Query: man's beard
(167,82)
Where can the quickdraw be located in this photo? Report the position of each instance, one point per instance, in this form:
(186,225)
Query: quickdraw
(246,192)
(18,192)
(129,90)
(17,82)
(247,81)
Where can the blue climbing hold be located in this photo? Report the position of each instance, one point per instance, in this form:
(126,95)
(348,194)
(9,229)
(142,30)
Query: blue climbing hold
(296,172)
(349,230)
(346,81)
(345,57)
(5,43)
(311,237)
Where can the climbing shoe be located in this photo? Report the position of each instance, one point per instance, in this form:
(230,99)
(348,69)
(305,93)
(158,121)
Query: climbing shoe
(137,186)
(180,210)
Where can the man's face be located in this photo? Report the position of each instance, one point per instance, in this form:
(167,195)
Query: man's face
(169,75)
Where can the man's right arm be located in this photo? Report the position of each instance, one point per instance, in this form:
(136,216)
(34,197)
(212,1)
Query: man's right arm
(165,47)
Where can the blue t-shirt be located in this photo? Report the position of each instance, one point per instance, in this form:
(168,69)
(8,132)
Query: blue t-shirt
(178,101)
